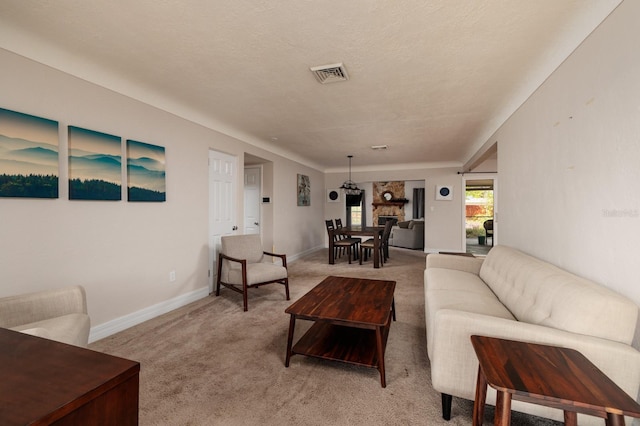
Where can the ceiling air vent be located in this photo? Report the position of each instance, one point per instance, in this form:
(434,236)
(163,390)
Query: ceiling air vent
(330,73)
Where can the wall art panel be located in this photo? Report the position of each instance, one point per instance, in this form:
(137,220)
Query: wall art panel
(29,164)
(95,165)
(145,172)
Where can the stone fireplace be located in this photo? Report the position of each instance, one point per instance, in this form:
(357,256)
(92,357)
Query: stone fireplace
(392,205)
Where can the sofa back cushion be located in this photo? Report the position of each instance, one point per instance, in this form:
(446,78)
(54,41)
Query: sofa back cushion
(540,293)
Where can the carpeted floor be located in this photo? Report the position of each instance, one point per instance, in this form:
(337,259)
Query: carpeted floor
(210,363)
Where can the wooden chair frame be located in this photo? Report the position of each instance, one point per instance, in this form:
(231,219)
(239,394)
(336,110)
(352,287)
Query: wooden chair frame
(243,262)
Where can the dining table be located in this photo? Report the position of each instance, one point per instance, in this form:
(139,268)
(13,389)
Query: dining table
(359,231)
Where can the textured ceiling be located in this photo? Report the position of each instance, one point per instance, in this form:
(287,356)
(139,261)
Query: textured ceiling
(430,79)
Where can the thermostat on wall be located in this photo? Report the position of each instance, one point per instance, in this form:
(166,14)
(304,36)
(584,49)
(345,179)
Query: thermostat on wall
(266,200)
(444,192)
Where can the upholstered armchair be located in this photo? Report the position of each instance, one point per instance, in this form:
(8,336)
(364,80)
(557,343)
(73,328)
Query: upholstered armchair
(58,314)
(243,264)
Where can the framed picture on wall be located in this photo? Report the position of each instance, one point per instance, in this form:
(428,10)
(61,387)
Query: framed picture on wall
(304,190)
(28,156)
(95,165)
(145,172)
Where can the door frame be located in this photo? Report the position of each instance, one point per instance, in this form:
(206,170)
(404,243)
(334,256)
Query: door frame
(257,167)
(227,196)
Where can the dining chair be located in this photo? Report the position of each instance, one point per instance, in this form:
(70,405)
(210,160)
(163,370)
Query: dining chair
(488,229)
(338,244)
(242,265)
(355,241)
(367,247)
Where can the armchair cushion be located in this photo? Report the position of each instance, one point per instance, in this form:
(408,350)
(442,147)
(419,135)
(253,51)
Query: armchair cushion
(256,273)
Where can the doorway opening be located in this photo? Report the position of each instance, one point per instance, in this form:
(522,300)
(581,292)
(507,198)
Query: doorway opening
(355,210)
(480,210)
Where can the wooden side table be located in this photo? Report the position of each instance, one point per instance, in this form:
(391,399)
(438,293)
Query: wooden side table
(546,375)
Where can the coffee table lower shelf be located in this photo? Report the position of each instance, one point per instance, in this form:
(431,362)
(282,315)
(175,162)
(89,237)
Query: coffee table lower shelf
(341,343)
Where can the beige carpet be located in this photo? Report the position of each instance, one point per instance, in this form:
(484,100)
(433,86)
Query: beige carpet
(210,363)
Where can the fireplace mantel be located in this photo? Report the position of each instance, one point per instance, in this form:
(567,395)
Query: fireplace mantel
(390,203)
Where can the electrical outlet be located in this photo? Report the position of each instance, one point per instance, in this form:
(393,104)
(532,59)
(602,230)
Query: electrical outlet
(172,276)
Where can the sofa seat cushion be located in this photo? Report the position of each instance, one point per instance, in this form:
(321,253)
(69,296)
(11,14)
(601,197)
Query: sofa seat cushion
(71,328)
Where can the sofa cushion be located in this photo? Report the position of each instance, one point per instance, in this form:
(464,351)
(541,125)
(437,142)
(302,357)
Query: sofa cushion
(460,291)
(540,293)
(404,224)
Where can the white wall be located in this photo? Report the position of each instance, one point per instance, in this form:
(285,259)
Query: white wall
(569,161)
(122,252)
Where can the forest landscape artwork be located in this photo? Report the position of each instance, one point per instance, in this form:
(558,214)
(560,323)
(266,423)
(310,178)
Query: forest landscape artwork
(145,172)
(28,156)
(95,165)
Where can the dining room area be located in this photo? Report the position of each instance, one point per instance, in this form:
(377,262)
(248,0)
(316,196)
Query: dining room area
(358,243)
(362,235)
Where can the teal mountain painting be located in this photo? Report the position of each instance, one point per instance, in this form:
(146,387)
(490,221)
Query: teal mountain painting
(95,165)
(28,156)
(145,172)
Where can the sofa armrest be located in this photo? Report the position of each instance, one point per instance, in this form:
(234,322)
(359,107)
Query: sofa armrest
(451,261)
(39,306)
(454,366)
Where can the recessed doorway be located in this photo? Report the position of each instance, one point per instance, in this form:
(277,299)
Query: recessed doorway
(480,211)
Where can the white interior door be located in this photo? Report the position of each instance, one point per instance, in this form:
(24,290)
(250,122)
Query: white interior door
(252,189)
(222,204)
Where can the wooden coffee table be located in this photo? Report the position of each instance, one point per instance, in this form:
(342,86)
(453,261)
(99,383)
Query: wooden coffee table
(352,320)
(546,375)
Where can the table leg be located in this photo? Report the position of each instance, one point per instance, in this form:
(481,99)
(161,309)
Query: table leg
(393,308)
(614,419)
(380,348)
(331,249)
(570,418)
(481,398)
(503,409)
(376,249)
(292,326)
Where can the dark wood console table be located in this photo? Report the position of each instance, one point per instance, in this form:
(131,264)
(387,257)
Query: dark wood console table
(43,382)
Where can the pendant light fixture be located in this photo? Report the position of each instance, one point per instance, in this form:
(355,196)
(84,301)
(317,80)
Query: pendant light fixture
(349,187)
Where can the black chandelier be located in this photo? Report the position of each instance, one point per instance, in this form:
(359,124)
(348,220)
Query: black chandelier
(349,187)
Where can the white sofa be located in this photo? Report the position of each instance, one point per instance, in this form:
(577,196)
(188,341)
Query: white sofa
(515,296)
(59,314)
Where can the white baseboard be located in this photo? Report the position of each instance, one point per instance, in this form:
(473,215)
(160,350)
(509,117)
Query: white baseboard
(119,324)
(303,254)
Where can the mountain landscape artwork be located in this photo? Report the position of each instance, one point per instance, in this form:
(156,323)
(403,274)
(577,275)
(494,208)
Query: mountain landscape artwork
(28,156)
(145,172)
(95,165)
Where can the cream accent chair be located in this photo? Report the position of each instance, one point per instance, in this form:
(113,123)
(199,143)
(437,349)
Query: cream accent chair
(59,314)
(242,265)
